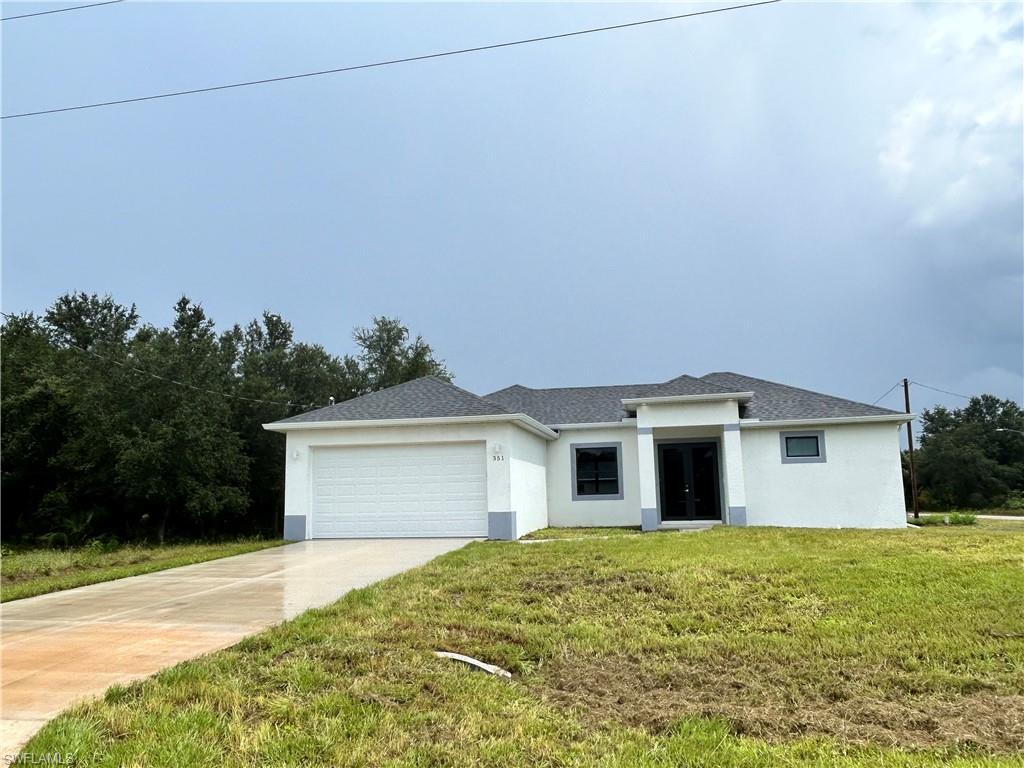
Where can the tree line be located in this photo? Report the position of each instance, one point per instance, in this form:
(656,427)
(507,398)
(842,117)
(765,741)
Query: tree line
(971,457)
(111,428)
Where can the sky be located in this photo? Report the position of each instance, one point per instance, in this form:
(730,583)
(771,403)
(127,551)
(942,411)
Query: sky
(826,195)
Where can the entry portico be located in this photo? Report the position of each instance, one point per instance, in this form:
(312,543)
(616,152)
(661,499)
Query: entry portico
(706,476)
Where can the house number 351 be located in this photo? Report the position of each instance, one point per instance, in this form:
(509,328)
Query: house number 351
(498,457)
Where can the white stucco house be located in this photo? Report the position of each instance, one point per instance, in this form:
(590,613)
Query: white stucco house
(427,458)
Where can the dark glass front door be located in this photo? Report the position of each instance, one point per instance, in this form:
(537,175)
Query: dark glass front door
(689,481)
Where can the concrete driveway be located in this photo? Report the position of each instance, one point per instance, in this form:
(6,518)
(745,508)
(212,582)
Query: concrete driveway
(60,648)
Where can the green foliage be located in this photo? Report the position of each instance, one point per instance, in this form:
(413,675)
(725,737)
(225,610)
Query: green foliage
(952,518)
(388,357)
(962,518)
(1014,500)
(965,460)
(112,428)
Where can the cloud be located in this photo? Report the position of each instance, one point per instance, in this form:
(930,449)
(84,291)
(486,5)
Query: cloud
(954,150)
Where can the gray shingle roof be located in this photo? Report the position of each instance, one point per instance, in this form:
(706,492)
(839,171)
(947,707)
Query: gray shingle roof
(431,397)
(773,401)
(425,398)
(585,405)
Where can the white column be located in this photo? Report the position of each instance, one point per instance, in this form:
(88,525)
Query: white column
(298,495)
(735,493)
(501,518)
(649,517)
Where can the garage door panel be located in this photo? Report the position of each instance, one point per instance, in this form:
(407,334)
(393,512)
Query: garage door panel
(395,491)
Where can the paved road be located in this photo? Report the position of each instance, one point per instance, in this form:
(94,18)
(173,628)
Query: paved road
(60,648)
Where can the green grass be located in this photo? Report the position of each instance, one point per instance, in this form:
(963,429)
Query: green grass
(25,573)
(731,647)
(1001,511)
(1007,526)
(579,533)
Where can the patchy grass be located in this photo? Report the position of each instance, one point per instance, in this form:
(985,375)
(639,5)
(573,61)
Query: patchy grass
(1005,526)
(579,533)
(732,647)
(30,572)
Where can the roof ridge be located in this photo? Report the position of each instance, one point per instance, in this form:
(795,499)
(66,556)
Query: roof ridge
(568,389)
(506,389)
(455,386)
(701,379)
(393,386)
(800,389)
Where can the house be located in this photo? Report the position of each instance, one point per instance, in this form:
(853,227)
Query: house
(427,458)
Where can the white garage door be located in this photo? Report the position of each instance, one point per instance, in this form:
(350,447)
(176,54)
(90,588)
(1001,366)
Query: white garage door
(400,490)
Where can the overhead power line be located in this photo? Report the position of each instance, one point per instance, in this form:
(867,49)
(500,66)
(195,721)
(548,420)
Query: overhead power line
(59,10)
(943,391)
(890,389)
(130,367)
(389,62)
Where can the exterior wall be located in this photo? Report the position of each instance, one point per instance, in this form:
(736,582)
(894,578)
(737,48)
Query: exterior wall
(501,442)
(527,455)
(562,510)
(694,414)
(860,485)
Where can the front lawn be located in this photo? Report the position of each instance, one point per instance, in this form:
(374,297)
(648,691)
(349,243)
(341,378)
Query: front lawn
(730,647)
(545,534)
(24,573)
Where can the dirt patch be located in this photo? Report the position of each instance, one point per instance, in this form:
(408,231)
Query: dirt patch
(757,702)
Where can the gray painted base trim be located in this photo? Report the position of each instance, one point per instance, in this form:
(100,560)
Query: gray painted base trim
(294,527)
(737,515)
(501,526)
(649,519)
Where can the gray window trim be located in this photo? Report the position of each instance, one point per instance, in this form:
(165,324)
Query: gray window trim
(618,463)
(818,433)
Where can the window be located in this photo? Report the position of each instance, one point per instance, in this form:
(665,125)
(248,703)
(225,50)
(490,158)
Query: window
(802,447)
(596,471)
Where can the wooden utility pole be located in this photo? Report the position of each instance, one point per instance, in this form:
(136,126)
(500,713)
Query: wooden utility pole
(910,451)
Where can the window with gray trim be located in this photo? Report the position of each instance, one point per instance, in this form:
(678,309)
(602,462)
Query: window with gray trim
(596,471)
(804,447)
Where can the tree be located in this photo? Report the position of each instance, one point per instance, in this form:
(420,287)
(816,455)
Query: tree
(34,421)
(964,461)
(388,357)
(181,463)
(84,499)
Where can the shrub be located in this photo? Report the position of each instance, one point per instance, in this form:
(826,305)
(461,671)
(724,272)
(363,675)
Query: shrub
(953,518)
(961,518)
(1015,500)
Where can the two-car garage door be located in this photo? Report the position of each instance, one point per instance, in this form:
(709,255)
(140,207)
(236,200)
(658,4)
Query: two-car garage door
(437,489)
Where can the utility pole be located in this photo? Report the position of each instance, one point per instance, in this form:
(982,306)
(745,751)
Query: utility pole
(910,451)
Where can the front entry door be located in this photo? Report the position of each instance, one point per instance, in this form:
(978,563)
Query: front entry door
(689,481)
